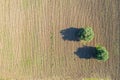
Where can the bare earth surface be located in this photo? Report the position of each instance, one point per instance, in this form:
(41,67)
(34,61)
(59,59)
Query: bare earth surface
(32,47)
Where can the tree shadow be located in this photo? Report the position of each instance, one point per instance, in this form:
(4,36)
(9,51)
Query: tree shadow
(86,52)
(70,34)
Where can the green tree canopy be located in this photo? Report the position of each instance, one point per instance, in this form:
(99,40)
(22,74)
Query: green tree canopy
(101,53)
(86,34)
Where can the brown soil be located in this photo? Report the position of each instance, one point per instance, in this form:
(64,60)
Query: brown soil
(32,47)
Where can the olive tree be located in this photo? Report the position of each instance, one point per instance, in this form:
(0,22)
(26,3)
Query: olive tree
(101,53)
(86,34)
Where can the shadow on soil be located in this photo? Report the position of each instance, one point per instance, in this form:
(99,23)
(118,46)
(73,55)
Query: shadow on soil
(70,34)
(86,52)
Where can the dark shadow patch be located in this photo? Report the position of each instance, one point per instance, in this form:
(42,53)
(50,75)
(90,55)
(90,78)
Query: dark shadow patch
(70,34)
(86,52)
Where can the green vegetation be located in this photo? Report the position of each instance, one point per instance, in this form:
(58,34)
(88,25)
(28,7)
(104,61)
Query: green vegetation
(101,53)
(86,34)
(95,79)
(52,39)
(51,36)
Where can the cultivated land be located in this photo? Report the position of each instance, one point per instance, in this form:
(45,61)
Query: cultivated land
(32,47)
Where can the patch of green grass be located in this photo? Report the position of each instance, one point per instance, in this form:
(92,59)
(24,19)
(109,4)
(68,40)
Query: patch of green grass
(28,3)
(95,79)
(7,46)
(26,63)
(51,39)
(25,3)
(51,36)
(5,79)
